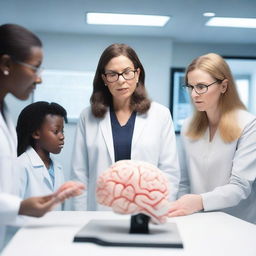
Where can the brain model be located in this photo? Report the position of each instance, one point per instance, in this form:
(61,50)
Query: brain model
(132,187)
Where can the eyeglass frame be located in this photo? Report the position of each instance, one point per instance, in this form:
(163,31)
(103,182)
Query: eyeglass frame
(120,74)
(38,70)
(191,87)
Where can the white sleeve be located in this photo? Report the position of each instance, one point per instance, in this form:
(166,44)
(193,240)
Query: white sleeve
(168,160)
(184,186)
(22,177)
(79,171)
(9,208)
(242,177)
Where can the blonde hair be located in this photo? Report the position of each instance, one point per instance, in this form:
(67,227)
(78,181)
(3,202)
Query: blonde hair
(229,101)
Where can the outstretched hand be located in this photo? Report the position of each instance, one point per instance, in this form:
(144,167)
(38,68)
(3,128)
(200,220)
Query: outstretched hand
(38,206)
(186,205)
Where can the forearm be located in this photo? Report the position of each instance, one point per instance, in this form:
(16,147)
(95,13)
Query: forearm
(226,196)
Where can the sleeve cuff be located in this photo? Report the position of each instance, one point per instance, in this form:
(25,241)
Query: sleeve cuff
(9,208)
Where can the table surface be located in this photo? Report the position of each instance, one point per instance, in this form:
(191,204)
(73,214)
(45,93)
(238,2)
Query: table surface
(208,234)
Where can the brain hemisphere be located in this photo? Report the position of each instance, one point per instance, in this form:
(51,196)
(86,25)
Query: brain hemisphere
(131,187)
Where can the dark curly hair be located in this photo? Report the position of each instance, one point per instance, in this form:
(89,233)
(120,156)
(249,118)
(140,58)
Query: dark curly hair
(31,119)
(101,98)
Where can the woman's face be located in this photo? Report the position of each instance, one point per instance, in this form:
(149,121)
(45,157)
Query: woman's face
(122,89)
(208,101)
(23,79)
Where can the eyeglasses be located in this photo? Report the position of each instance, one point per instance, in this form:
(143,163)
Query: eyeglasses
(37,70)
(114,76)
(200,88)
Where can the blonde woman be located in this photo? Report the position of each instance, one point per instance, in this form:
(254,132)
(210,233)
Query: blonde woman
(218,159)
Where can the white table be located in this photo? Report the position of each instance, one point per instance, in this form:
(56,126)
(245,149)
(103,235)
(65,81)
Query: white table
(206,234)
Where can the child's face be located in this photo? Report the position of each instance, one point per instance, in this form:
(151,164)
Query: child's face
(50,135)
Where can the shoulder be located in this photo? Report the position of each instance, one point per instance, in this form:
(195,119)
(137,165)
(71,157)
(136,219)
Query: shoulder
(23,158)
(246,120)
(30,158)
(87,115)
(244,117)
(86,112)
(159,109)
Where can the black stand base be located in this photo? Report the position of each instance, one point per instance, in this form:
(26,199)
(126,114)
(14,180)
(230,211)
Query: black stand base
(139,224)
(134,233)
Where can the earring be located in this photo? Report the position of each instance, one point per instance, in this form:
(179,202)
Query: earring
(6,72)
(106,85)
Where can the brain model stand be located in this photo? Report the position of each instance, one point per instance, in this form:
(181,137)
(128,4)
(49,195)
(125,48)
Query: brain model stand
(140,190)
(136,188)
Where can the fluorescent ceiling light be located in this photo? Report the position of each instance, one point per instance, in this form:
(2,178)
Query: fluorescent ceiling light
(232,22)
(126,19)
(209,14)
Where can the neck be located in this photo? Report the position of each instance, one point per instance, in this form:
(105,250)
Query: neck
(123,106)
(213,117)
(44,155)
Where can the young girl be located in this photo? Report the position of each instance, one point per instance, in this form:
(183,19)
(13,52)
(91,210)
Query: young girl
(40,132)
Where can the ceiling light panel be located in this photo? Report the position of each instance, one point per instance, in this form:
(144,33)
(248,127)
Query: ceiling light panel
(126,19)
(232,22)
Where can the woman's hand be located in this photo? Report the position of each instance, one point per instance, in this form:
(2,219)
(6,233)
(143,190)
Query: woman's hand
(38,206)
(186,205)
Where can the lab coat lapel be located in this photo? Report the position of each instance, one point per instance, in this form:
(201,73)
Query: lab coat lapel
(105,126)
(139,125)
(38,165)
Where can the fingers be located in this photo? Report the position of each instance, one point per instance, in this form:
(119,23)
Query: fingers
(174,206)
(67,193)
(47,206)
(78,188)
(177,213)
(176,210)
(36,206)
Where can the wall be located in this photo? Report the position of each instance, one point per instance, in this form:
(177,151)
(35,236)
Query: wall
(184,53)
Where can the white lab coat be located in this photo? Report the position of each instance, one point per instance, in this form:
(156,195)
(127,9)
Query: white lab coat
(153,141)
(223,173)
(9,205)
(34,177)
(33,180)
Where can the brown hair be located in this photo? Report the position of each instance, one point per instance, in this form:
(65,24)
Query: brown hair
(229,102)
(101,98)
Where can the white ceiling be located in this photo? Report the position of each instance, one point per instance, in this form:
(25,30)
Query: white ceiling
(187,24)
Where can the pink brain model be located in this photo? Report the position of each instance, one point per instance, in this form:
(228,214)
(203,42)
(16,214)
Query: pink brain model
(132,187)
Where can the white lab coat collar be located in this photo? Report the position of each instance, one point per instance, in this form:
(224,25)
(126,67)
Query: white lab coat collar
(105,126)
(139,125)
(37,163)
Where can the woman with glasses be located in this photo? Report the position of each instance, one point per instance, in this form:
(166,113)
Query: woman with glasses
(218,160)
(20,59)
(121,123)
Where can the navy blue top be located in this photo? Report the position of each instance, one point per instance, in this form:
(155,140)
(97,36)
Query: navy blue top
(122,136)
